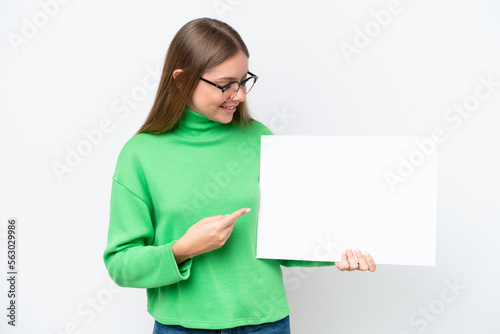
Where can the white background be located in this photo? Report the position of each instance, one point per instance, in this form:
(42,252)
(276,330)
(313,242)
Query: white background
(76,69)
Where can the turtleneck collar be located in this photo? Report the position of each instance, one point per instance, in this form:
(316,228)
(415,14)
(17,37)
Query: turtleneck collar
(197,126)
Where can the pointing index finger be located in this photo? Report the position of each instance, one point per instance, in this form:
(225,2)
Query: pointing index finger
(238,213)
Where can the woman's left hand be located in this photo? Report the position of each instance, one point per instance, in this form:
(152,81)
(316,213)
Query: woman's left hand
(348,261)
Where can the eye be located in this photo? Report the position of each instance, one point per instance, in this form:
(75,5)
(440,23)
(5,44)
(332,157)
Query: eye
(224,83)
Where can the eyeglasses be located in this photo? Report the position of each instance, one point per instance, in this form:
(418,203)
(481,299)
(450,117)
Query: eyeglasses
(230,90)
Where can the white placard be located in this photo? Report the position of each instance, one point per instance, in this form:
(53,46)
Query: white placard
(322,194)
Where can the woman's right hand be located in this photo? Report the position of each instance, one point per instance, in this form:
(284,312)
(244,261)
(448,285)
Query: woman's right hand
(206,235)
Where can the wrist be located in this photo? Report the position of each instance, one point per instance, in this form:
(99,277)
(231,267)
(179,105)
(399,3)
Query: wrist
(180,251)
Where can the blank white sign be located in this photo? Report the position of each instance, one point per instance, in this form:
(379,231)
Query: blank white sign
(322,194)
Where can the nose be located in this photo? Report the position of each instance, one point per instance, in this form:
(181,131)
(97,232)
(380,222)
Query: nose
(240,95)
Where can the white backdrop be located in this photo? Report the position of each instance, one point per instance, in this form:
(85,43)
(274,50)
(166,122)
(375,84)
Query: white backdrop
(74,70)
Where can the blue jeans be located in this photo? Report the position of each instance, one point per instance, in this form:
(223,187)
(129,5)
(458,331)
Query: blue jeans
(278,327)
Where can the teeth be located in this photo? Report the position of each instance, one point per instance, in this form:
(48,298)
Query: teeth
(229,107)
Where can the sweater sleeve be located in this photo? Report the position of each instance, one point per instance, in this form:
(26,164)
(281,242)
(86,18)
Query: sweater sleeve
(130,256)
(300,263)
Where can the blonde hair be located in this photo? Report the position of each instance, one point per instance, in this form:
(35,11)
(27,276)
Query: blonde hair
(197,47)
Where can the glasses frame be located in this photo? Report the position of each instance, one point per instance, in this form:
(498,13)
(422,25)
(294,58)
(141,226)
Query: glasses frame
(226,87)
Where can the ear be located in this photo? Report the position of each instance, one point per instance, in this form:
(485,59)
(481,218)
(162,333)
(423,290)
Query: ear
(175,74)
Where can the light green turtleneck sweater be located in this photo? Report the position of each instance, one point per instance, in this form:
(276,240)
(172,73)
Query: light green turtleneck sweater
(165,183)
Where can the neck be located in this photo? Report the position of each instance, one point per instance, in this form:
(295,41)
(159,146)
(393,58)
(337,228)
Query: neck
(197,126)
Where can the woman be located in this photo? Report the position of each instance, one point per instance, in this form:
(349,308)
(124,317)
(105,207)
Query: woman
(194,161)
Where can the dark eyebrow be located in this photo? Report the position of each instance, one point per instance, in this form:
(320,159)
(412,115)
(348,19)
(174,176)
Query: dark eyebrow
(227,78)
(230,78)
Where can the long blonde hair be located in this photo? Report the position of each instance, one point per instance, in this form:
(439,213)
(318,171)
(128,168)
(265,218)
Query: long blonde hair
(198,46)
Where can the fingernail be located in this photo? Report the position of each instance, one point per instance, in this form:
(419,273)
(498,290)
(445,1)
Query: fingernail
(248,210)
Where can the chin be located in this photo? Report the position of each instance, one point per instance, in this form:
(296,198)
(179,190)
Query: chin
(225,118)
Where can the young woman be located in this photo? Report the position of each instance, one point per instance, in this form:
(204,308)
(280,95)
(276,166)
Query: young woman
(185,197)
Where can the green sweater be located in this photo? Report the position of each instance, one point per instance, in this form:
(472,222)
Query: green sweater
(165,183)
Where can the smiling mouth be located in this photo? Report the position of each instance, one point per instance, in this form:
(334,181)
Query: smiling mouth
(229,108)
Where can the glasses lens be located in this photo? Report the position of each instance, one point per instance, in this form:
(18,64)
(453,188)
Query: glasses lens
(231,91)
(248,85)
